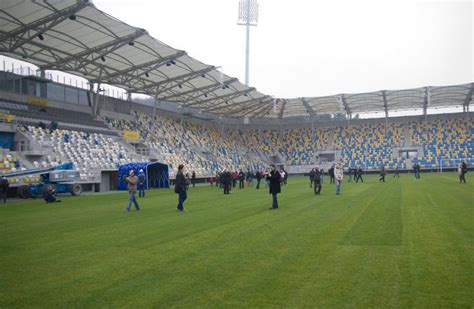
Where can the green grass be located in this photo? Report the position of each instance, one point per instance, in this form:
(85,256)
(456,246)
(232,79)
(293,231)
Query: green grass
(403,243)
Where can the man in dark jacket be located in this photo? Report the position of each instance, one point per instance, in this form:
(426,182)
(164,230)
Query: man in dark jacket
(331,174)
(180,188)
(249,177)
(49,195)
(274,178)
(359,175)
(4,185)
(258,176)
(193,179)
(311,177)
(462,176)
(417,169)
(382,174)
(241,179)
(226,180)
(317,181)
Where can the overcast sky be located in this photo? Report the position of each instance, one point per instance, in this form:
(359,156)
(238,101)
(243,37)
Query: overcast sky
(314,48)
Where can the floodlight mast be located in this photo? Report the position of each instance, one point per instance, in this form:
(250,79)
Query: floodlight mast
(248,16)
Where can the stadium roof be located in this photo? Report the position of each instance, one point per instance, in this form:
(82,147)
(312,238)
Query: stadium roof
(74,36)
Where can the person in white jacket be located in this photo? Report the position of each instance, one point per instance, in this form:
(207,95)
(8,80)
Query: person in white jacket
(338,174)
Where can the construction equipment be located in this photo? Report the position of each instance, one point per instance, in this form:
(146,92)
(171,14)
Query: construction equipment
(62,178)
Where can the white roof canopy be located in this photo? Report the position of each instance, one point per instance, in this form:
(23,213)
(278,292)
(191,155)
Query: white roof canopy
(75,37)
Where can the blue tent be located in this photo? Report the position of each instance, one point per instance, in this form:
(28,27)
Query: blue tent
(156,174)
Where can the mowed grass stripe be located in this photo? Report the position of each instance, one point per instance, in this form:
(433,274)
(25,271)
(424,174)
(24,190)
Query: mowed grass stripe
(380,223)
(232,251)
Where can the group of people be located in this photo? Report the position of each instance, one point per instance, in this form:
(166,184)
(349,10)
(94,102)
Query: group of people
(316,178)
(227,180)
(274,180)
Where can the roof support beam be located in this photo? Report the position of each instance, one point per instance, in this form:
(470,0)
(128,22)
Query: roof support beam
(341,99)
(282,109)
(100,50)
(468,99)
(385,105)
(257,103)
(146,67)
(78,66)
(260,101)
(209,88)
(263,111)
(427,100)
(309,109)
(181,78)
(255,108)
(228,96)
(10,41)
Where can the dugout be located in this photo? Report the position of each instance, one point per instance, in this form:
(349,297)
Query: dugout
(156,174)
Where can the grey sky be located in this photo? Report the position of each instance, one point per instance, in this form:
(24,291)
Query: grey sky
(314,48)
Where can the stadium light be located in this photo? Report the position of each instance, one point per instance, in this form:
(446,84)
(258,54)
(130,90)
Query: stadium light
(248,16)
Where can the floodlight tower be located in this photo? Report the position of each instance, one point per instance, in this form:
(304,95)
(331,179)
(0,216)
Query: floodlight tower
(248,16)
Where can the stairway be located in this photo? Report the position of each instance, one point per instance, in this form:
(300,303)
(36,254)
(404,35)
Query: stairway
(406,135)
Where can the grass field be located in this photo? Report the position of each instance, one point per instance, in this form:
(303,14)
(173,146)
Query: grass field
(403,243)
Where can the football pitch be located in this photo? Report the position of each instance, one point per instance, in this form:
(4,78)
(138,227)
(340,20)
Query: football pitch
(403,243)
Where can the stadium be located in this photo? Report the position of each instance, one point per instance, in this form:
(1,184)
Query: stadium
(406,241)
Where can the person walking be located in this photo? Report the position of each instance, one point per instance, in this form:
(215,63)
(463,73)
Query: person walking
(331,174)
(226,179)
(311,177)
(396,172)
(180,188)
(241,179)
(234,178)
(249,178)
(317,181)
(462,172)
(274,178)
(141,183)
(338,175)
(132,182)
(382,174)
(4,185)
(282,177)
(258,176)
(193,178)
(349,172)
(284,174)
(359,175)
(416,169)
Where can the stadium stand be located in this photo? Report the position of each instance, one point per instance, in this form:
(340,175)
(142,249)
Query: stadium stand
(206,148)
(201,147)
(89,152)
